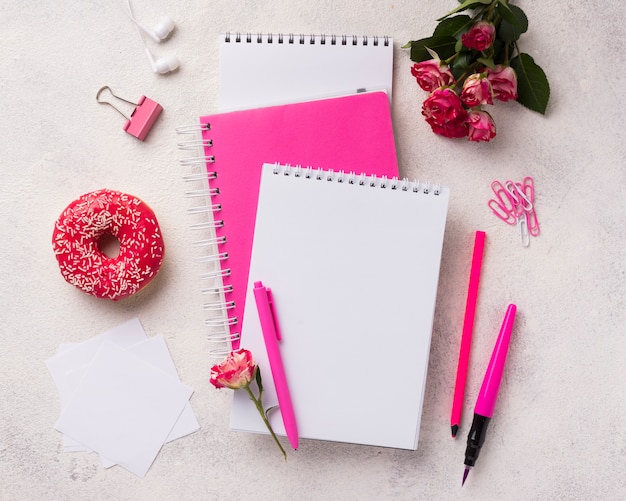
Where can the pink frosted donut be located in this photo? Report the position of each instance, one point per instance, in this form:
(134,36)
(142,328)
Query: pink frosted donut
(77,236)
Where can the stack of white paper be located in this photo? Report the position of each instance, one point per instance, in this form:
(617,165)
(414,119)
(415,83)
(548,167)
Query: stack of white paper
(121,397)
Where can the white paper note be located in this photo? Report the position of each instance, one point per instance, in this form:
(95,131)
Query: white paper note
(124,408)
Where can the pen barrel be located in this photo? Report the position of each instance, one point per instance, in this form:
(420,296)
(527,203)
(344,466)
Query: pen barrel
(488,393)
(269,328)
(476,438)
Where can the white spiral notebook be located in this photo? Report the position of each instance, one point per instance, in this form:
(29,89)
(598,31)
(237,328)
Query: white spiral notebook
(353,264)
(267,69)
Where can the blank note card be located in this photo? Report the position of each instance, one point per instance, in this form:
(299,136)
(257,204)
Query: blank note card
(124,408)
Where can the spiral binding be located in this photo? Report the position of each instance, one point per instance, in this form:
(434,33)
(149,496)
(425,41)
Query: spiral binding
(372,181)
(223,289)
(302,39)
(210,241)
(193,129)
(223,327)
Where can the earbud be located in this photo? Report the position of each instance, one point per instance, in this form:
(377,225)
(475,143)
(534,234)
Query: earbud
(163,64)
(161,31)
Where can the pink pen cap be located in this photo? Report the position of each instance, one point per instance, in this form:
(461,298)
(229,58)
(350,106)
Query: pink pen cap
(488,394)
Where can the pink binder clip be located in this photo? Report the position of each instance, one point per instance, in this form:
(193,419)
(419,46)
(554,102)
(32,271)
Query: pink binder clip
(142,117)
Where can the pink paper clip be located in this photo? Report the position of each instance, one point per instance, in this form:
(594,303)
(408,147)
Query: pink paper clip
(499,210)
(514,203)
(142,117)
(525,201)
(528,187)
(532,223)
(503,197)
(518,198)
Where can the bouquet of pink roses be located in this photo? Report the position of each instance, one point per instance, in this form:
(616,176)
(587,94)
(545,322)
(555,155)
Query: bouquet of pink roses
(472,60)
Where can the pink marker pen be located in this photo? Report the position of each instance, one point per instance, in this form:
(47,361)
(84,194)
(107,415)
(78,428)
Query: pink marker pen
(271,335)
(488,392)
(466,337)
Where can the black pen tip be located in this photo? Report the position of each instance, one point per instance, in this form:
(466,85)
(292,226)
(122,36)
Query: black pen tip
(465,474)
(455,429)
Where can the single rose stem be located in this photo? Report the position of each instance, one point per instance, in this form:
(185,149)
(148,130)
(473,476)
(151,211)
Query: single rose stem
(490,10)
(259,406)
(451,58)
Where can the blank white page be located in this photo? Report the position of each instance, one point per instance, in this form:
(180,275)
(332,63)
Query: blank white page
(354,270)
(262,70)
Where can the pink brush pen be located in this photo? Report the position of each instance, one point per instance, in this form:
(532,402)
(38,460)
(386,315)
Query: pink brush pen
(488,392)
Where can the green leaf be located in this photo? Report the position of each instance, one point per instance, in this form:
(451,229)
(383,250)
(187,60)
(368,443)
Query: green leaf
(460,64)
(505,11)
(467,4)
(533,89)
(501,52)
(487,62)
(453,26)
(259,382)
(443,46)
(510,32)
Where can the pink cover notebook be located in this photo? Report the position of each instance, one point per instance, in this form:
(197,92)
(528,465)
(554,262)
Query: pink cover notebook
(351,133)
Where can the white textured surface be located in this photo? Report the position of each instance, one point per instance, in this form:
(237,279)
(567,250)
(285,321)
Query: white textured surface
(558,431)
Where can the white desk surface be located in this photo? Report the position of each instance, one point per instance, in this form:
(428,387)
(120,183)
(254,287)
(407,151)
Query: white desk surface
(558,429)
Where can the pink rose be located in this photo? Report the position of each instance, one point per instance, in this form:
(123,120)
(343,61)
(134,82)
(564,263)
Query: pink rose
(481,126)
(476,91)
(432,74)
(480,36)
(235,372)
(503,82)
(445,113)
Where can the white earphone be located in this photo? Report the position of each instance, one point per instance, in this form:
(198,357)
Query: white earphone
(159,33)
(162,65)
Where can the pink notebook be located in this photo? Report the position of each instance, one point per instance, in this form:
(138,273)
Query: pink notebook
(352,133)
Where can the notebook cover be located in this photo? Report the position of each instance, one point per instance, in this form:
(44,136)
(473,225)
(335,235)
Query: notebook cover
(353,133)
(354,271)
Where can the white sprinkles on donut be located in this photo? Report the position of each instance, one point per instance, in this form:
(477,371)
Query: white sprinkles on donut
(76,242)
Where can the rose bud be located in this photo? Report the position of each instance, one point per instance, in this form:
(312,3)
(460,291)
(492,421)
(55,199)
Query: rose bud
(235,372)
(432,74)
(503,82)
(445,113)
(476,91)
(480,126)
(480,36)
